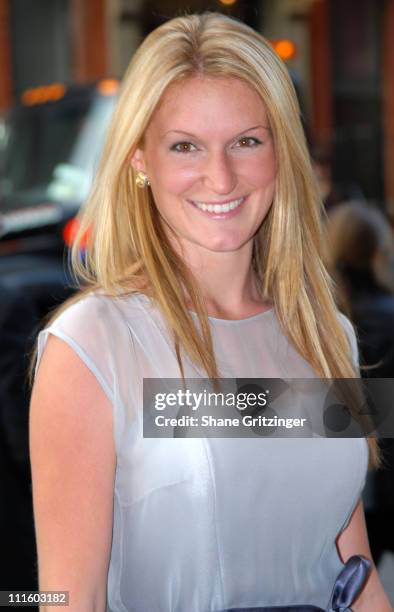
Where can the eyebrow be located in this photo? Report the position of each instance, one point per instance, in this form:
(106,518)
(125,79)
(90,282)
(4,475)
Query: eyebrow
(255,127)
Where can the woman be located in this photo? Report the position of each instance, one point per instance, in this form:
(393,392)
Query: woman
(202,260)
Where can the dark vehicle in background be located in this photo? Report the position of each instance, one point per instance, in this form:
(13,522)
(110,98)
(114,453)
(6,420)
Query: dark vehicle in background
(50,145)
(49,148)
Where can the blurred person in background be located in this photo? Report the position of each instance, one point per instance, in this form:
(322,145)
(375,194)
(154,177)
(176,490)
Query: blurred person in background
(18,318)
(360,255)
(332,192)
(203,259)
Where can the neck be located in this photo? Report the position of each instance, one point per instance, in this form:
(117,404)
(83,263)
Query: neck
(227,282)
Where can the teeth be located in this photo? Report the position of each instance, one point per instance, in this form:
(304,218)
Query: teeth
(219,208)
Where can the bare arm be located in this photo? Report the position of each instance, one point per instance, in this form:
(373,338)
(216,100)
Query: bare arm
(73,465)
(354,541)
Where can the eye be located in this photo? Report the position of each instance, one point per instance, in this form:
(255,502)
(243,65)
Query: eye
(247,142)
(183,147)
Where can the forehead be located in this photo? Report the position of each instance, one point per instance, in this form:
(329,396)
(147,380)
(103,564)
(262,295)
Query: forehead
(202,103)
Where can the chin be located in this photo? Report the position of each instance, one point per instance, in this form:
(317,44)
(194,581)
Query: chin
(225,246)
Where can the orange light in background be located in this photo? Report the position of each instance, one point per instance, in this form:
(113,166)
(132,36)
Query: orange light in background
(56,91)
(108,87)
(227,2)
(31,96)
(40,95)
(70,231)
(285,48)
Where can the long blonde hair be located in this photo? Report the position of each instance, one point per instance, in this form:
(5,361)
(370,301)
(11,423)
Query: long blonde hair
(127,248)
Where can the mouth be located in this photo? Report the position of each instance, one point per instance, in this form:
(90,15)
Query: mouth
(218,209)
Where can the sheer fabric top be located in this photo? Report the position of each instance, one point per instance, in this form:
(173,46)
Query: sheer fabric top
(209,524)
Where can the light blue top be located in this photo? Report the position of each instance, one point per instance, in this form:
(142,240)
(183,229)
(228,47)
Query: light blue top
(205,524)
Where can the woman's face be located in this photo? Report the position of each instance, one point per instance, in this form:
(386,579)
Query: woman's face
(209,156)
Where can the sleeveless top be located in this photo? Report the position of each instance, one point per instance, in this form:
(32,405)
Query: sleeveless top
(207,524)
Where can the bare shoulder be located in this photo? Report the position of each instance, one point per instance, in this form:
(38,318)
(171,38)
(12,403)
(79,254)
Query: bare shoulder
(73,465)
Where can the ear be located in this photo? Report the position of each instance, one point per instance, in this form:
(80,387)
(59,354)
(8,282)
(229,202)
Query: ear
(137,160)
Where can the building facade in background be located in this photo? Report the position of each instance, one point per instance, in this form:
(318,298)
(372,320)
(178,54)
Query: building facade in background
(343,67)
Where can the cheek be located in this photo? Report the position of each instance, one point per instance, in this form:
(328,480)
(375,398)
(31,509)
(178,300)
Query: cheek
(260,170)
(173,176)
(262,175)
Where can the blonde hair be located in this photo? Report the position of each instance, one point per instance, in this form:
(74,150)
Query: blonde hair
(127,248)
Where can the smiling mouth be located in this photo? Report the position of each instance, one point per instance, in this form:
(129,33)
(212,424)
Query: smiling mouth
(218,208)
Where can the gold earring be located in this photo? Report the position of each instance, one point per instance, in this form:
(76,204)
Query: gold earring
(141,180)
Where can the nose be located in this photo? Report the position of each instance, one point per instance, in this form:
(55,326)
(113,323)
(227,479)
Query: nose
(219,173)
